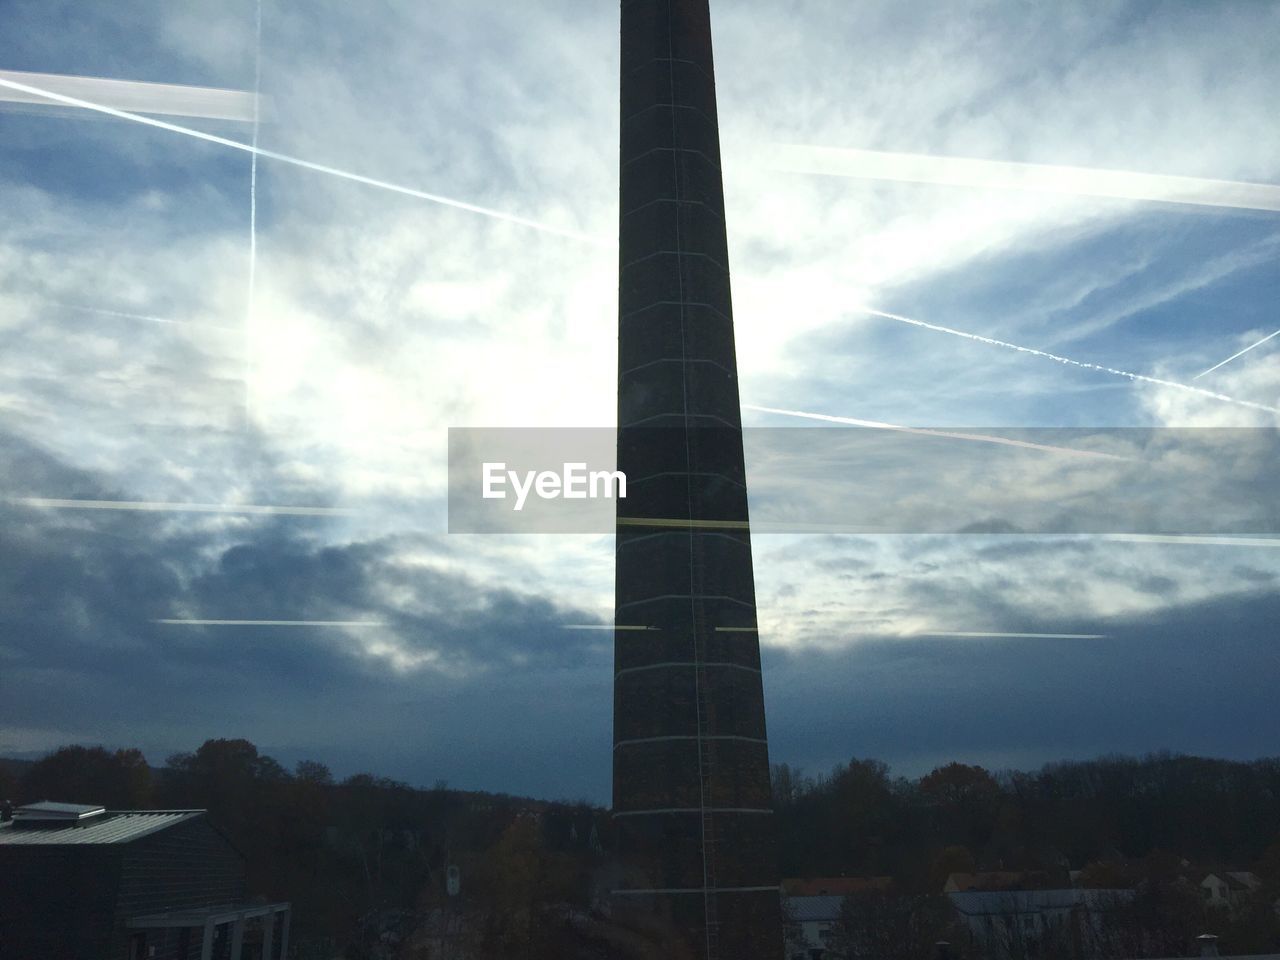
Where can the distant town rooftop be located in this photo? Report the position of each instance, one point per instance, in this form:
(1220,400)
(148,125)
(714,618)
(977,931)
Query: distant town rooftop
(809,909)
(835,886)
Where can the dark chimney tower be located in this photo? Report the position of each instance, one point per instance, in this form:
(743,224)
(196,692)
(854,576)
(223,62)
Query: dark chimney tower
(691,798)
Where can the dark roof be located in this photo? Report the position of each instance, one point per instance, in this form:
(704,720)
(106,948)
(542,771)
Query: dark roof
(1243,880)
(1004,902)
(834,886)
(989,880)
(815,908)
(119,826)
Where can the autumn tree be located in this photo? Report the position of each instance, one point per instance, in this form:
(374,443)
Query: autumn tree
(118,779)
(788,784)
(1107,875)
(523,884)
(959,783)
(965,802)
(246,795)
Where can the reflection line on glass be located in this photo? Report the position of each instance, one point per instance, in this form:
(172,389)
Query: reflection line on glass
(164,507)
(606,626)
(1007,636)
(1191,540)
(272,623)
(1032,177)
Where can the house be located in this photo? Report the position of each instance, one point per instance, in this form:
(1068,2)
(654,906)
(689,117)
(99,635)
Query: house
(79,882)
(1014,922)
(1228,889)
(812,920)
(812,906)
(835,886)
(996,880)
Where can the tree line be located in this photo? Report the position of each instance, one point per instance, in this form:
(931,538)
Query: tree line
(1154,825)
(364,859)
(858,820)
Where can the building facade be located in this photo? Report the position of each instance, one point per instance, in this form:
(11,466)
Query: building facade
(78,882)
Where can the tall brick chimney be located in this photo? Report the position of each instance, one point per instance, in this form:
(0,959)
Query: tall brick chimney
(691,798)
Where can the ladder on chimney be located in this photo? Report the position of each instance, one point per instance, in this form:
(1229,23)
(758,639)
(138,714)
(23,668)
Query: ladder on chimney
(705,794)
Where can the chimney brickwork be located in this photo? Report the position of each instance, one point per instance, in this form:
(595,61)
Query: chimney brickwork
(691,766)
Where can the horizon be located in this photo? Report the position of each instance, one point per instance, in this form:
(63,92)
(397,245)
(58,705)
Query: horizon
(812,777)
(235,341)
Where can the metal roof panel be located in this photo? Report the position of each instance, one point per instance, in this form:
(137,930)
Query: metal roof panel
(121,826)
(815,908)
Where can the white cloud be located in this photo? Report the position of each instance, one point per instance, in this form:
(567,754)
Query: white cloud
(380,320)
(1257,379)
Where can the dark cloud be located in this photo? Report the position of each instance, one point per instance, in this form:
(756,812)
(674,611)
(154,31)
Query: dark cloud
(1197,678)
(458,660)
(1028,548)
(475,680)
(1158,585)
(481,684)
(1253,575)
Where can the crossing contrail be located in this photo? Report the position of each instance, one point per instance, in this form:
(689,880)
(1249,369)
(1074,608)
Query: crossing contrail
(1075,363)
(305,164)
(1234,355)
(950,434)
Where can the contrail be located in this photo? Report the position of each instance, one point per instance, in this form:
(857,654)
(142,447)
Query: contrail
(306,164)
(978,437)
(1234,355)
(1075,363)
(253,216)
(138,316)
(1034,177)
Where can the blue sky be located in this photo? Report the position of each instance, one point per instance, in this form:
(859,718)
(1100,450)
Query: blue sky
(379,320)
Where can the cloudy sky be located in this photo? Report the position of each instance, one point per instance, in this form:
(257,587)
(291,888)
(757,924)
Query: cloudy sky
(161,344)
